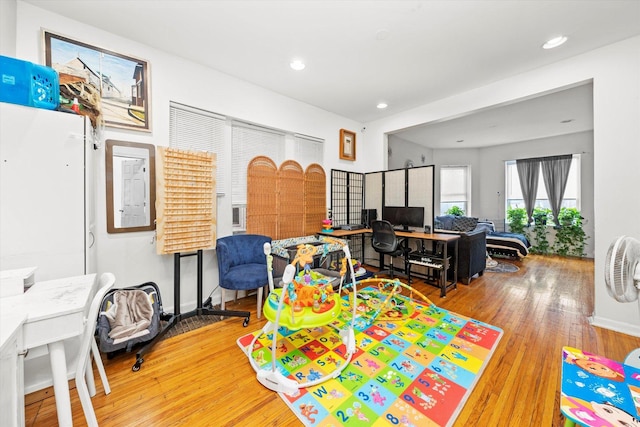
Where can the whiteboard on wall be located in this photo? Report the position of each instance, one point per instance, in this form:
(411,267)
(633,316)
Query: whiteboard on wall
(42,191)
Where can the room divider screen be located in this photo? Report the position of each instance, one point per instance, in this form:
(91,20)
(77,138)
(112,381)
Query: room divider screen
(352,191)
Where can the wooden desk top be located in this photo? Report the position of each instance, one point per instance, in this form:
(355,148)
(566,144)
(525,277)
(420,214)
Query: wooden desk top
(443,237)
(345,233)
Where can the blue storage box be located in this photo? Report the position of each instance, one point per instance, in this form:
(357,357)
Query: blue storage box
(25,83)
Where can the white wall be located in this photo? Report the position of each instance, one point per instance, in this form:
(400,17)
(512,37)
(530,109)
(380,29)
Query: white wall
(8,28)
(615,72)
(401,150)
(132,256)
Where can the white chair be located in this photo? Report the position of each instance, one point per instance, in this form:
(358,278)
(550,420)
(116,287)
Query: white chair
(84,375)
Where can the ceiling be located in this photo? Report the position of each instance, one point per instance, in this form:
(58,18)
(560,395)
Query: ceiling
(559,113)
(360,53)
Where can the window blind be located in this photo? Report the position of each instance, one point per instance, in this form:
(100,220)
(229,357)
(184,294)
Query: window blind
(453,184)
(194,129)
(308,150)
(249,141)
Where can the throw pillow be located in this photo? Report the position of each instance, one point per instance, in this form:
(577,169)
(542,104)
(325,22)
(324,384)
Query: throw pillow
(444,222)
(464,223)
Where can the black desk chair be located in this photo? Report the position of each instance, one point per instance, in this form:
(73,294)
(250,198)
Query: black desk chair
(385,242)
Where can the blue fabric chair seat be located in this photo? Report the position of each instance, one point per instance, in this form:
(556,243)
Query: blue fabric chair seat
(247,276)
(242,264)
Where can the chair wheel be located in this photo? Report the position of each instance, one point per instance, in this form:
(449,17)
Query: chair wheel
(136,366)
(246,322)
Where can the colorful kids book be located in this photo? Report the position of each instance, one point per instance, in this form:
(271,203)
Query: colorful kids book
(598,392)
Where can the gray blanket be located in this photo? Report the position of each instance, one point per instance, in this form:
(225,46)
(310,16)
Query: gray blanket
(130,313)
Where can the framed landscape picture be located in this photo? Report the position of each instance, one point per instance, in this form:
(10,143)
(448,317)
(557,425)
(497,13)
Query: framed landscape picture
(108,84)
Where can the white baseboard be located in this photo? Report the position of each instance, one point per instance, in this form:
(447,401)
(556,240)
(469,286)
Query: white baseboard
(625,328)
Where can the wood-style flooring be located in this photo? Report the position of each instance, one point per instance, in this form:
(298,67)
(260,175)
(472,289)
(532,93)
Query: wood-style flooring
(201,378)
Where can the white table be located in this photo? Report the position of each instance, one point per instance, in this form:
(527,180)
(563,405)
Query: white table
(54,311)
(13,282)
(11,374)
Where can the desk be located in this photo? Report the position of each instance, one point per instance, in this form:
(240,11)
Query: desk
(11,373)
(54,311)
(436,237)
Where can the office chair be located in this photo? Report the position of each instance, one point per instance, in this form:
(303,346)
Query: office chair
(385,242)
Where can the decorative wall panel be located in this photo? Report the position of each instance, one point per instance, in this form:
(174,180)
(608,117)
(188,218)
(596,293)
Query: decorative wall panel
(185,200)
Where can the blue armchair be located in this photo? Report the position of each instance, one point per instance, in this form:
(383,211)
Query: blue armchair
(242,265)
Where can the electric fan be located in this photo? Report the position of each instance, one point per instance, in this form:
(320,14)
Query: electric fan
(622,276)
(622,269)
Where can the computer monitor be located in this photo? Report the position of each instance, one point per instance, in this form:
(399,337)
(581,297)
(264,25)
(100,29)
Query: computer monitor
(389,213)
(404,216)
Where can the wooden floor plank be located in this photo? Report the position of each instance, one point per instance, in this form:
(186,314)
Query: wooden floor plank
(201,378)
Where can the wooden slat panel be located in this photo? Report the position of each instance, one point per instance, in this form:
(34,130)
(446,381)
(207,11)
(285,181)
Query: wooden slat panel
(262,197)
(185,200)
(315,198)
(290,200)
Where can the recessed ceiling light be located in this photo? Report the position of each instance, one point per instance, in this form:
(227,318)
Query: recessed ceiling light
(554,42)
(382,106)
(297,65)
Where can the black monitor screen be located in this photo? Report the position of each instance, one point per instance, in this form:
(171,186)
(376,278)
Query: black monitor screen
(389,213)
(404,216)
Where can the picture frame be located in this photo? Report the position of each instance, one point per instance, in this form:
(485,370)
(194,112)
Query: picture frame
(347,145)
(120,81)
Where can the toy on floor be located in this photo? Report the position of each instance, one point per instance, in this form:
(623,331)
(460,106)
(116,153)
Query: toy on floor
(306,300)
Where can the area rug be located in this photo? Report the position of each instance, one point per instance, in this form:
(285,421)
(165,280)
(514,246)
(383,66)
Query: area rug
(502,267)
(416,369)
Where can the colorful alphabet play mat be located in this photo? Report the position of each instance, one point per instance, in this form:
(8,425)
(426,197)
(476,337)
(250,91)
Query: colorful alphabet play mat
(415,364)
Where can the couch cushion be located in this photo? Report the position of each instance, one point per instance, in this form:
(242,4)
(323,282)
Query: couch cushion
(444,222)
(464,223)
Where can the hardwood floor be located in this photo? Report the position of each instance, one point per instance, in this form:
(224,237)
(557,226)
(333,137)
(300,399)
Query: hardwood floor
(201,378)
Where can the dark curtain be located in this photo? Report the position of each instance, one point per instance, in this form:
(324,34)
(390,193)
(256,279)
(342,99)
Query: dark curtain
(555,171)
(528,172)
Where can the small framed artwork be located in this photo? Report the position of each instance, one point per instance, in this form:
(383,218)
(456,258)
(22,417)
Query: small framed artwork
(100,83)
(347,144)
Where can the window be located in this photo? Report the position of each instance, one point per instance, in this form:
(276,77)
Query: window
(235,143)
(307,150)
(249,141)
(571,193)
(199,130)
(455,188)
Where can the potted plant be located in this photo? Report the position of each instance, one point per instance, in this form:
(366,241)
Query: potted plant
(516,218)
(455,210)
(570,236)
(540,231)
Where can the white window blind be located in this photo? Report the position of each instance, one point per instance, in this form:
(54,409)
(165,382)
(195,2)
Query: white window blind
(307,150)
(454,188)
(249,141)
(199,130)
